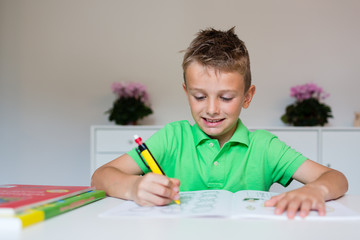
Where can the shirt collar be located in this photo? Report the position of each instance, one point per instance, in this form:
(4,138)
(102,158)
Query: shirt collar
(241,134)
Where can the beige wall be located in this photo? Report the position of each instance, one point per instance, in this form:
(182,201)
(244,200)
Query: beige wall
(59,58)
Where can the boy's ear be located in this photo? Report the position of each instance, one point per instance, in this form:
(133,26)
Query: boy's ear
(248,96)
(184,87)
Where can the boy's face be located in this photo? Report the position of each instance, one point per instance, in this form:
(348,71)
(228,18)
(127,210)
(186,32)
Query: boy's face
(216,99)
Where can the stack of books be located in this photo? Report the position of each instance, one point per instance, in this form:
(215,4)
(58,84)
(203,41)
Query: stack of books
(23,205)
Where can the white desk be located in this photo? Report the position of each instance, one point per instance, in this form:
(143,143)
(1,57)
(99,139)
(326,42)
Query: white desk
(84,224)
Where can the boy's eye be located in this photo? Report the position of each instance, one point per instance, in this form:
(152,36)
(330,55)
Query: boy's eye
(226,99)
(199,97)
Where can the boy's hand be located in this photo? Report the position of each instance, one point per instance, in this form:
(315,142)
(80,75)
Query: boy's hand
(303,200)
(155,189)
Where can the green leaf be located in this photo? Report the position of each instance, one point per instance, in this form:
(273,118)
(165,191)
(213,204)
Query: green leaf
(127,110)
(309,112)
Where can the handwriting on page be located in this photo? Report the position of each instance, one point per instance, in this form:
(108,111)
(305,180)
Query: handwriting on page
(192,203)
(220,203)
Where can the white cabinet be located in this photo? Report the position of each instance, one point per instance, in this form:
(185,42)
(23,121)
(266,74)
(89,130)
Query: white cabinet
(334,147)
(340,150)
(109,142)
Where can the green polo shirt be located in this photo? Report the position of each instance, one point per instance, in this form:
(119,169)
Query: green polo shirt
(248,161)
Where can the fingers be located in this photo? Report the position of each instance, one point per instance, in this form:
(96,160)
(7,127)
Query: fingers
(305,209)
(292,208)
(303,206)
(146,198)
(299,201)
(164,188)
(274,200)
(175,182)
(321,209)
(154,189)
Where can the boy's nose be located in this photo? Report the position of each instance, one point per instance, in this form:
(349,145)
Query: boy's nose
(213,108)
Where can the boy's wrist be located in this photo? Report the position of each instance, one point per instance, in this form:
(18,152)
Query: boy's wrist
(320,188)
(130,191)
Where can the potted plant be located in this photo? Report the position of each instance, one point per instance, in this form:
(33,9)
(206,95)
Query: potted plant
(308,109)
(131,104)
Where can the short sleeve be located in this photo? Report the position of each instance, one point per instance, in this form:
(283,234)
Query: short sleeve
(162,146)
(283,160)
(155,149)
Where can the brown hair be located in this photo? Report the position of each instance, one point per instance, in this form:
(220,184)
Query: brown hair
(222,50)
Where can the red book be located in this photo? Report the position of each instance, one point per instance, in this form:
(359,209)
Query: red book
(15,198)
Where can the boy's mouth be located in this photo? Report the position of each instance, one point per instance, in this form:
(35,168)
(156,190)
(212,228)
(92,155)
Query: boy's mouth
(213,122)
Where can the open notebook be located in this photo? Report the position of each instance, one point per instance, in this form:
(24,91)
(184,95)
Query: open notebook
(222,203)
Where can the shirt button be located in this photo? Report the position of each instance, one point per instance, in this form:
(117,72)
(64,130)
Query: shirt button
(211,144)
(216,163)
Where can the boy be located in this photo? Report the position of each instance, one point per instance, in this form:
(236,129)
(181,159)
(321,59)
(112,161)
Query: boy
(219,152)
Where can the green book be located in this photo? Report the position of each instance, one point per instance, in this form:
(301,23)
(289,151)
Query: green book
(49,210)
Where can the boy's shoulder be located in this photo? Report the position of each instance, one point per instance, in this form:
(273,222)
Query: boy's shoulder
(261,132)
(180,123)
(174,133)
(261,135)
(249,136)
(263,141)
(177,126)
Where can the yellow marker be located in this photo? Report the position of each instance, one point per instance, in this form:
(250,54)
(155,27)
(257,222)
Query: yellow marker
(150,160)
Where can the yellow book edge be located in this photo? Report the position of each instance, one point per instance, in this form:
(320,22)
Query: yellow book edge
(31,216)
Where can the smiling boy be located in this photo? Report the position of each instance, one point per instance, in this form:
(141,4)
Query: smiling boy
(218,151)
(216,99)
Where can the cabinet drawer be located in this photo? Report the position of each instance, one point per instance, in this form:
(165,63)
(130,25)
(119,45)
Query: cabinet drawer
(340,150)
(110,140)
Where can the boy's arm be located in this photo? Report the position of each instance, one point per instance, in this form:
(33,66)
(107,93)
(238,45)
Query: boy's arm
(121,178)
(321,184)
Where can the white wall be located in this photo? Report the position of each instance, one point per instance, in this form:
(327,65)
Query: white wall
(59,58)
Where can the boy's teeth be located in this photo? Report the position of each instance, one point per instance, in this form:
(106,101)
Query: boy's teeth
(209,120)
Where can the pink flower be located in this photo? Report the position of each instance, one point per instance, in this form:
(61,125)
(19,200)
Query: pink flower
(306,91)
(131,90)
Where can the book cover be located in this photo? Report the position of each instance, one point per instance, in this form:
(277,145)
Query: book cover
(49,210)
(15,197)
(222,203)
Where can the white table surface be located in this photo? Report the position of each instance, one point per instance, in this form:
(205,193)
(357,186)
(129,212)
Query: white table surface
(85,224)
